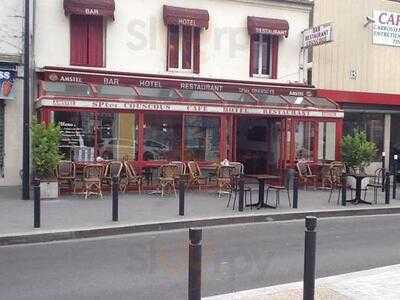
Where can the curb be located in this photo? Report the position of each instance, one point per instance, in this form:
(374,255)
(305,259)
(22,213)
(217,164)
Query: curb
(81,233)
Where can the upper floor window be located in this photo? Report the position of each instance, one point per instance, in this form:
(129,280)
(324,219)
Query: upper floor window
(264,45)
(182,53)
(263,54)
(183,41)
(87,41)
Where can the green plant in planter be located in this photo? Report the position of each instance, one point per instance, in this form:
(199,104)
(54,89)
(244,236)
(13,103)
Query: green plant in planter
(45,149)
(357,151)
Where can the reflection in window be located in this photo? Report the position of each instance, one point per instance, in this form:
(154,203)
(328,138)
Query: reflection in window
(298,101)
(67,89)
(77,135)
(162,137)
(115,91)
(305,138)
(372,124)
(202,137)
(116,136)
(326,140)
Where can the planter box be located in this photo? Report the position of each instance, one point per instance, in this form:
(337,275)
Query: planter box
(49,190)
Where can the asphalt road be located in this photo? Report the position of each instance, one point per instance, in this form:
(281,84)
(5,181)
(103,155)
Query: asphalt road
(154,266)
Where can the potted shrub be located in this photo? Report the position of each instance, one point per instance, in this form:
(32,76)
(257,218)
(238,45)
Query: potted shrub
(357,154)
(45,157)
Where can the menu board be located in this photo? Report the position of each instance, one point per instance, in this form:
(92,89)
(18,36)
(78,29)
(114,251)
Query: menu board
(72,143)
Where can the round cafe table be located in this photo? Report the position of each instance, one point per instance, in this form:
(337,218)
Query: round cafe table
(261,188)
(359,178)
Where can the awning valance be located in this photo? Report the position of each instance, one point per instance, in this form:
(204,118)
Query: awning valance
(257,25)
(186,16)
(103,8)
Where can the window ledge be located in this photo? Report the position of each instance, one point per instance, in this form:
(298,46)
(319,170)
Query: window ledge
(262,76)
(180,71)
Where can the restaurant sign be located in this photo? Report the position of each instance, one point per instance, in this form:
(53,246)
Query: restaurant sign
(188,107)
(7,78)
(386,29)
(318,35)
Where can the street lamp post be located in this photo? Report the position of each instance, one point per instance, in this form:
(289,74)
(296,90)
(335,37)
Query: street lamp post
(26,110)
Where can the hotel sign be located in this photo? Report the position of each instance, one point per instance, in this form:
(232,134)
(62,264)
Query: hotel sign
(188,107)
(318,35)
(386,29)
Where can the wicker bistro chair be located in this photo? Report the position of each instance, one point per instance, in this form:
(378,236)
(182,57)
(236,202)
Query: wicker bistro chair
(305,174)
(237,168)
(336,170)
(131,178)
(66,175)
(224,178)
(181,167)
(92,176)
(113,168)
(235,191)
(168,176)
(278,189)
(196,178)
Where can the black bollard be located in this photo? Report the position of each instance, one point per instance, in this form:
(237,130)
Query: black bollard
(387,188)
(194,286)
(395,176)
(181,195)
(36,203)
(344,189)
(115,189)
(383,171)
(295,190)
(241,193)
(309,258)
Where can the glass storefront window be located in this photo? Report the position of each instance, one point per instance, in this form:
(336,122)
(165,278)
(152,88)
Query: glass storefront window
(305,138)
(202,138)
(199,95)
(157,93)
(162,137)
(372,124)
(116,91)
(116,136)
(77,135)
(67,89)
(327,141)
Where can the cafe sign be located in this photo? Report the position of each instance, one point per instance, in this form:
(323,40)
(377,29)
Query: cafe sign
(318,35)
(386,29)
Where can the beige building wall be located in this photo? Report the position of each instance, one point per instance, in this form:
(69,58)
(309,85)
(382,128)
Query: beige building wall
(377,66)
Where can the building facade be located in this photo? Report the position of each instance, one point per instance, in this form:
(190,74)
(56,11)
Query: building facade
(358,69)
(156,81)
(11,30)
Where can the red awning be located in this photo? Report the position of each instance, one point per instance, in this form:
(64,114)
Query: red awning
(103,8)
(186,16)
(268,26)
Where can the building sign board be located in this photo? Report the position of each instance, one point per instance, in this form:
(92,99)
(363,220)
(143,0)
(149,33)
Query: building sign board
(386,28)
(318,35)
(188,107)
(199,85)
(7,79)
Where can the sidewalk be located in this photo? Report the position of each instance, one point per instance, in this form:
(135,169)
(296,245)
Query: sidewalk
(74,213)
(381,283)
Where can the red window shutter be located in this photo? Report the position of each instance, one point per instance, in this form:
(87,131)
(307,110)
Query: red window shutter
(173,46)
(95,41)
(196,50)
(79,41)
(186,47)
(275,47)
(253,55)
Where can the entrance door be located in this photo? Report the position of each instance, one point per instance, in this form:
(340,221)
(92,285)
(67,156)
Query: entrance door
(259,144)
